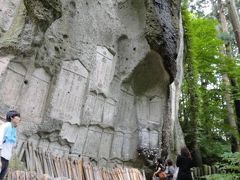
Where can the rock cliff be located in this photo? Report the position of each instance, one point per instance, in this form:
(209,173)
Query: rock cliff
(96,78)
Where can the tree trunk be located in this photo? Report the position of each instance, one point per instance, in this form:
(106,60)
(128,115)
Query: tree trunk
(231,115)
(190,104)
(235,92)
(234,18)
(230,109)
(232,10)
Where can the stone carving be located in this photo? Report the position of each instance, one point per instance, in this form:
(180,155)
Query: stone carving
(109,112)
(69,132)
(12,84)
(142,107)
(149,110)
(103,72)
(7,13)
(105,145)
(144,137)
(78,146)
(89,108)
(126,112)
(130,144)
(117,145)
(68,96)
(33,102)
(98,109)
(154,139)
(91,147)
(4,63)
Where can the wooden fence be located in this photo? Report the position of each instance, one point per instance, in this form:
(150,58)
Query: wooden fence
(26,175)
(42,165)
(90,173)
(201,172)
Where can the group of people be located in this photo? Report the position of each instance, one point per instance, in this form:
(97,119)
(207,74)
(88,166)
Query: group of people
(182,170)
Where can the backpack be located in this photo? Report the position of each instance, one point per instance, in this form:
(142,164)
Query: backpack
(162,175)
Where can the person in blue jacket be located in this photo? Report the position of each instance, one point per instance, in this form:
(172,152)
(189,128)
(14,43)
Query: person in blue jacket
(8,139)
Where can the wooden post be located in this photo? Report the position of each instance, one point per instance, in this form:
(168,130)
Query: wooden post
(54,166)
(65,167)
(31,163)
(69,169)
(45,166)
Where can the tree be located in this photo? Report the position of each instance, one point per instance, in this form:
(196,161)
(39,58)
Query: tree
(233,15)
(201,108)
(190,98)
(234,18)
(226,81)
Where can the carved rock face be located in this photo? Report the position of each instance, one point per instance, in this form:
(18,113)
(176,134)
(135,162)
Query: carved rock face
(88,78)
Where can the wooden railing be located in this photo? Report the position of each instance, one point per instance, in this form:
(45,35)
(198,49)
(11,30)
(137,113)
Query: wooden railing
(201,172)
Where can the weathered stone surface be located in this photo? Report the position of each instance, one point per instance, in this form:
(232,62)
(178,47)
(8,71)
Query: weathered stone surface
(117,145)
(93,140)
(68,96)
(78,146)
(105,145)
(162,31)
(69,132)
(92,78)
(12,84)
(176,134)
(33,100)
(43,11)
(104,70)
(8,11)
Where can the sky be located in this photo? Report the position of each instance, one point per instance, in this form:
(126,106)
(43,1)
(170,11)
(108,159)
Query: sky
(207,6)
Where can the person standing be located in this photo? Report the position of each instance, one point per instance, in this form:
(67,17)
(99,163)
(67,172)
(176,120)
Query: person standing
(160,170)
(170,169)
(185,163)
(8,139)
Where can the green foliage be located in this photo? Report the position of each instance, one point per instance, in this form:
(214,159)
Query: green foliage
(230,163)
(190,98)
(212,147)
(229,166)
(226,37)
(16,164)
(203,8)
(222,177)
(202,108)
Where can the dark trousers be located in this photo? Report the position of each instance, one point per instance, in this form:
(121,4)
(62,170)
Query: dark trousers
(4,168)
